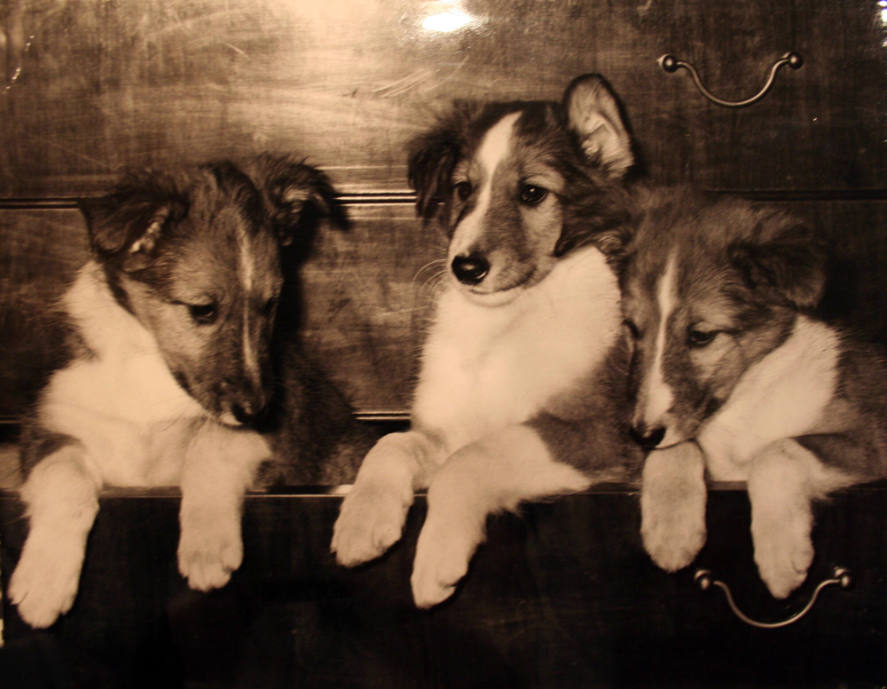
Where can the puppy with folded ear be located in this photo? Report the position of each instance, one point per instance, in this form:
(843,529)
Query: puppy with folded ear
(519,395)
(735,378)
(176,374)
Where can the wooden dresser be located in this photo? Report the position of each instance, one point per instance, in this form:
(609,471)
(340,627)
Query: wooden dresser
(563,596)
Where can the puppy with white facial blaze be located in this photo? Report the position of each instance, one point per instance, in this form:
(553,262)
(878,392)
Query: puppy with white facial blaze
(172,377)
(519,392)
(734,378)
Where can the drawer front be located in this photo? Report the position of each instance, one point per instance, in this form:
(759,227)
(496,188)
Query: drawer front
(562,596)
(94,86)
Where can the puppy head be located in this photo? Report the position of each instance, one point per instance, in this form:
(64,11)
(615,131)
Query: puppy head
(195,257)
(517,185)
(709,288)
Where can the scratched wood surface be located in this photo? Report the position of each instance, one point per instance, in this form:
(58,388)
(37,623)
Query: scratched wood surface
(92,86)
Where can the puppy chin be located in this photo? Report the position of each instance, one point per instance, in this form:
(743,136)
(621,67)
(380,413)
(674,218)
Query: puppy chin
(492,299)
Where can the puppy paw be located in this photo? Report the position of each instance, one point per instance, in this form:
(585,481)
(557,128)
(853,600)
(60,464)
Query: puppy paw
(673,499)
(370,522)
(210,547)
(783,551)
(44,583)
(443,552)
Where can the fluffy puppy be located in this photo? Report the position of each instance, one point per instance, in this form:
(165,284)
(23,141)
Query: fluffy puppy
(519,395)
(735,379)
(180,370)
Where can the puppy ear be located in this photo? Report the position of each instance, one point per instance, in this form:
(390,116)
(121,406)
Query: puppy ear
(595,116)
(297,196)
(126,225)
(785,260)
(432,159)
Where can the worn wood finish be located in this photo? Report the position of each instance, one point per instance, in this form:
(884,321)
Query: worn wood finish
(93,86)
(367,292)
(562,597)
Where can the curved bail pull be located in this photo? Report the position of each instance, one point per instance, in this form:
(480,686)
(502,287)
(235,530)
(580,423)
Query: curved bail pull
(670,63)
(705,580)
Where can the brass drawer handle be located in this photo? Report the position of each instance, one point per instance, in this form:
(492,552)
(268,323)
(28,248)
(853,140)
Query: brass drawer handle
(704,579)
(671,64)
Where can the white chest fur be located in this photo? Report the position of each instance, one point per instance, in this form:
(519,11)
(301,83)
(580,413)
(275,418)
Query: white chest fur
(486,367)
(782,396)
(122,403)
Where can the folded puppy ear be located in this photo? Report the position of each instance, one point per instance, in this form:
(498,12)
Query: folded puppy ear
(433,157)
(298,196)
(594,115)
(126,225)
(785,260)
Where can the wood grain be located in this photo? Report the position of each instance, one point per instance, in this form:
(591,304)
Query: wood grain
(102,86)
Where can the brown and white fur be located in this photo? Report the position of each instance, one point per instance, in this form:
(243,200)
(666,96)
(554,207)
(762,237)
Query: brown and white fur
(513,397)
(171,367)
(736,380)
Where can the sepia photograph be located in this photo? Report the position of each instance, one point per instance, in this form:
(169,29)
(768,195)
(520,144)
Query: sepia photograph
(443,344)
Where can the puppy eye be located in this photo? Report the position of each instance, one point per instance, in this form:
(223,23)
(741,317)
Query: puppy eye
(700,338)
(631,328)
(463,190)
(531,195)
(203,314)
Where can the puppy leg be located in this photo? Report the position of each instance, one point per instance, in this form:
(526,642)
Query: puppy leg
(673,495)
(220,463)
(372,515)
(485,477)
(783,481)
(62,502)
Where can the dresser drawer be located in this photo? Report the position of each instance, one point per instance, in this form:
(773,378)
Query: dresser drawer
(347,84)
(562,596)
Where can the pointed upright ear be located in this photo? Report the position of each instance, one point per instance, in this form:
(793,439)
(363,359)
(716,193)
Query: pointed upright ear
(433,157)
(595,117)
(126,225)
(785,261)
(297,196)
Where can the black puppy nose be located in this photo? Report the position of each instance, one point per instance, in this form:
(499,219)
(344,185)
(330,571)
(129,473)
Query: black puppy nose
(470,269)
(647,438)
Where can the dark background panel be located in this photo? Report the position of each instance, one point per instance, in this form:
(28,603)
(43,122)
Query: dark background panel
(93,86)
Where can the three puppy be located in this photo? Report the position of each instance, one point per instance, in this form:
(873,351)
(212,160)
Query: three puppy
(181,374)
(180,371)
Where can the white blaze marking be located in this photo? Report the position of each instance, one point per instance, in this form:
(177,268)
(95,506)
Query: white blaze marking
(659,395)
(247,276)
(492,151)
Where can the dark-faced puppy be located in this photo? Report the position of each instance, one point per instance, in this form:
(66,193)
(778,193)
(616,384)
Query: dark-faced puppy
(172,370)
(513,400)
(735,378)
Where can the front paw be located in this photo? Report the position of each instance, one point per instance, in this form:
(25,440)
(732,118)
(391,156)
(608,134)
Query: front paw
(370,521)
(443,552)
(783,550)
(210,547)
(44,583)
(673,500)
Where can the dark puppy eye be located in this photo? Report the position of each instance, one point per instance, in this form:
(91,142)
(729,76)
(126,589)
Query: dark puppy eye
(203,314)
(700,338)
(463,190)
(531,195)
(631,329)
